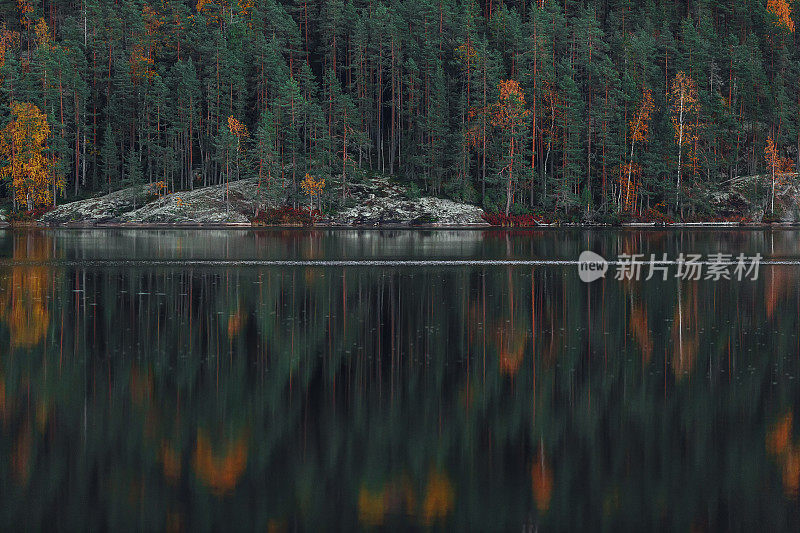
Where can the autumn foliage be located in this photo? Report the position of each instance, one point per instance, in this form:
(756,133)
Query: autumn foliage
(509,115)
(684,111)
(23,151)
(777,166)
(312,187)
(782,11)
(639,126)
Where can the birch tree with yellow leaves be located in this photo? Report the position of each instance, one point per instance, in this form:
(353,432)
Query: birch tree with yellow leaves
(23,159)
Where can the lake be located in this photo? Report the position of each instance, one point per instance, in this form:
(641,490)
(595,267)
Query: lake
(340,379)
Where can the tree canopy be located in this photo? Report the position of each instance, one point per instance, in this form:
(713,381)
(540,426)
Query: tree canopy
(517,106)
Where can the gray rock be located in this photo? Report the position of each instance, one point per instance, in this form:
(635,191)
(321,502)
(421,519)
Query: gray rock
(376,202)
(99,209)
(380,202)
(206,205)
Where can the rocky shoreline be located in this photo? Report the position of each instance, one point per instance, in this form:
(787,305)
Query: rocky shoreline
(381,203)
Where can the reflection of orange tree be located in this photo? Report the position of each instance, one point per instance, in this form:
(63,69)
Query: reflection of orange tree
(21,455)
(399,497)
(23,305)
(641,332)
(542,482)
(787,453)
(171,462)
(685,339)
(439,498)
(236,321)
(778,281)
(220,473)
(393,497)
(511,344)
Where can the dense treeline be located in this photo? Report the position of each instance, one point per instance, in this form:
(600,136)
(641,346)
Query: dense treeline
(589,108)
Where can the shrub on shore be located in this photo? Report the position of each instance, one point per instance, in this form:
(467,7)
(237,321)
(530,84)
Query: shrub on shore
(286,215)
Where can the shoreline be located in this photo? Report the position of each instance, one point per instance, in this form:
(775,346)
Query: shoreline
(423,227)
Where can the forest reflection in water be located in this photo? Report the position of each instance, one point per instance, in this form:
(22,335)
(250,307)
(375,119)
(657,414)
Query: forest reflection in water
(152,396)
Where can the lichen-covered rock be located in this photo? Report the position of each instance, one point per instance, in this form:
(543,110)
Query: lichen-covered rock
(750,197)
(375,202)
(99,209)
(380,202)
(206,205)
(412,212)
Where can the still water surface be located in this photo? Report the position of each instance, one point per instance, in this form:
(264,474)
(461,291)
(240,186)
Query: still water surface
(194,379)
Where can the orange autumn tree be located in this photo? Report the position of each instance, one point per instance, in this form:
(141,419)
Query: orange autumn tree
(684,106)
(8,39)
(23,147)
(312,187)
(777,165)
(509,115)
(782,11)
(239,131)
(639,130)
(771,155)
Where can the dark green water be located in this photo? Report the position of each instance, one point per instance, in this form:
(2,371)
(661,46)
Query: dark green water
(151,380)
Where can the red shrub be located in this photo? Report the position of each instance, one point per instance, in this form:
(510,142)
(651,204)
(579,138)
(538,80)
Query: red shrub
(286,215)
(511,221)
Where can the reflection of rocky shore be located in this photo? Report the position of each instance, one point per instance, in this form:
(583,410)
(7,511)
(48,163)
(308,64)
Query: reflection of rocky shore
(371,204)
(125,243)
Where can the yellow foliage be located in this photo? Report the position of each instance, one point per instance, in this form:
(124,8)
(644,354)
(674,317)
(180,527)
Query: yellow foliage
(685,106)
(42,33)
(510,108)
(775,162)
(23,143)
(25,10)
(237,128)
(781,10)
(311,186)
(8,39)
(640,123)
